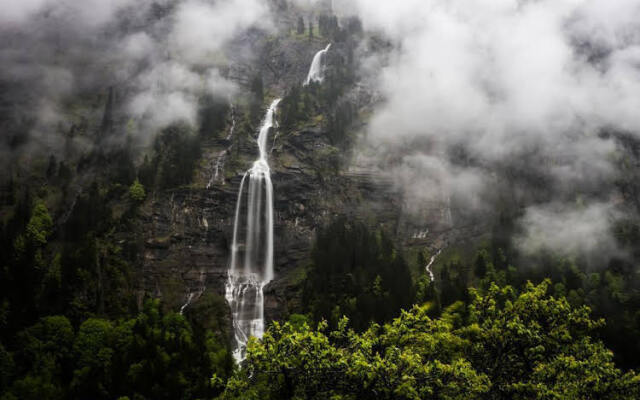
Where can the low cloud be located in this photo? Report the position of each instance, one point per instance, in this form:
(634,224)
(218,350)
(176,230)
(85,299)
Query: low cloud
(202,28)
(170,92)
(428,181)
(161,55)
(569,230)
(476,87)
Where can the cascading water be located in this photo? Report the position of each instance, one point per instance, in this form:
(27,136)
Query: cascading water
(233,122)
(222,155)
(251,266)
(448,214)
(194,295)
(318,67)
(428,267)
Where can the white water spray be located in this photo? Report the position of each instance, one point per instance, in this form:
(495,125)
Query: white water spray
(251,266)
(318,67)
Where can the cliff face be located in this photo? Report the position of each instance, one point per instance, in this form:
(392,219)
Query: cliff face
(188,231)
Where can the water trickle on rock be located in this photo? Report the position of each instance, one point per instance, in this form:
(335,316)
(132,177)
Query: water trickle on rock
(251,266)
(218,174)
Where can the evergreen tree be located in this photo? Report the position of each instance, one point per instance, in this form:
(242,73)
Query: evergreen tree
(300,26)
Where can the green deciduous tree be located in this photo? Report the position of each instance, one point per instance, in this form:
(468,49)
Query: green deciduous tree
(136,191)
(40,224)
(504,345)
(534,345)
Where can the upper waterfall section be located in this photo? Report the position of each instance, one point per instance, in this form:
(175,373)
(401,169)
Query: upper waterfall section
(318,67)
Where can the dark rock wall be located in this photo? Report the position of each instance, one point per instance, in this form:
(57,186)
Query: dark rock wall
(188,231)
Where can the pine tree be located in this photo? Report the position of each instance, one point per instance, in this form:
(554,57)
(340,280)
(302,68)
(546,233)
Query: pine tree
(300,29)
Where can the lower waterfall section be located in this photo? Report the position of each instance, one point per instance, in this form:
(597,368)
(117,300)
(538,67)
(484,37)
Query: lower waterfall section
(251,264)
(245,296)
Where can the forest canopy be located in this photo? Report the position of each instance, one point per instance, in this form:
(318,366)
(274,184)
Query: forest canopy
(504,345)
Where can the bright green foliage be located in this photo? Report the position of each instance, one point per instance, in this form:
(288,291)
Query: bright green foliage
(298,321)
(136,191)
(504,345)
(611,291)
(403,360)
(537,346)
(39,226)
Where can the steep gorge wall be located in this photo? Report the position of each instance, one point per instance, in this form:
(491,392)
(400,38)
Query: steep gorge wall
(188,231)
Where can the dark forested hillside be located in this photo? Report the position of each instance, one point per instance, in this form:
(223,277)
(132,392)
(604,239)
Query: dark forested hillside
(357,273)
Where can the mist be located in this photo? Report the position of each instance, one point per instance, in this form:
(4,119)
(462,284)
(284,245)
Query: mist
(501,82)
(159,56)
(492,101)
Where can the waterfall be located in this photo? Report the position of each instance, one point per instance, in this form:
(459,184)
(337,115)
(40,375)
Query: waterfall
(448,217)
(233,122)
(318,66)
(195,295)
(251,265)
(428,267)
(222,155)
